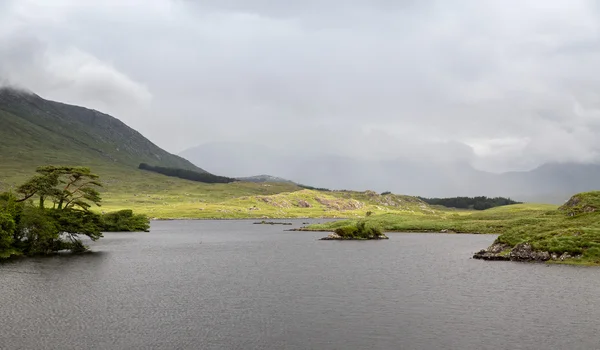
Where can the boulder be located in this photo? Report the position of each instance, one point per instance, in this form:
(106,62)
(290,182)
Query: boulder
(331,237)
(520,252)
(304,204)
(565,256)
(485,255)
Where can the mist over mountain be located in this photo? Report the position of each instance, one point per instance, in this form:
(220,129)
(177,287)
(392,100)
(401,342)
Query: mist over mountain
(553,182)
(35,131)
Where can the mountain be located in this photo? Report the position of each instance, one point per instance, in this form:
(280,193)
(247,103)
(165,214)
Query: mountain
(551,183)
(235,159)
(263,178)
(35,131)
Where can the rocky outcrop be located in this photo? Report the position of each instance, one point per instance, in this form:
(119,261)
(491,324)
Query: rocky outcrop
(524,252)
(335,237)
(331,237)
(271,223)
(520,252)
(304,204)
(494,252)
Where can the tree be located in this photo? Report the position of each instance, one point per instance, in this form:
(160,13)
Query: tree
(7,228)
(38,232)
(42,185)
(30,228)
(72,190)
(68,187)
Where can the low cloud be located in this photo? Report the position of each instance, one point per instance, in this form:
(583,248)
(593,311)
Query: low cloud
(502,87)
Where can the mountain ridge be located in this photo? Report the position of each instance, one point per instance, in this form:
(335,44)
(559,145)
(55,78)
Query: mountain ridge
(36,131)
(87,128)
(550,182)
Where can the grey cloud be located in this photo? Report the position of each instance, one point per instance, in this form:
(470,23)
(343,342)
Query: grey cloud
(501,87)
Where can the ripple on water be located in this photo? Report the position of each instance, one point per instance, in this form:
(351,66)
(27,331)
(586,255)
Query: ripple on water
(234,285)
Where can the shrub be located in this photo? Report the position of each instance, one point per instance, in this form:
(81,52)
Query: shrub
(7,228)
(346,231)
(361,230)
(124,221)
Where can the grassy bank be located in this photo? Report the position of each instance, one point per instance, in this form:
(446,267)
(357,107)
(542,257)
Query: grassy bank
(164,197)
(497,220)
(572,229)
(260,200)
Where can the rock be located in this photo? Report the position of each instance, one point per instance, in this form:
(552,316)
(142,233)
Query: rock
(565,256)
(331,237)
(520,252)
(485,255)
(304,204)
(335,237)
(497,248)
(543,256)
(525,252)
(271,223)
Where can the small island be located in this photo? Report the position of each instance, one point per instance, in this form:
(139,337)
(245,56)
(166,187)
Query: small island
(360,231)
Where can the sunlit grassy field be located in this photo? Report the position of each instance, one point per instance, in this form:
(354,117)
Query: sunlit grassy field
(163,197)
(573,228)
(495,220)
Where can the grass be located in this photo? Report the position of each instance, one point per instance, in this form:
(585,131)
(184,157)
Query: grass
(362,230)
(37,132)
(573,228)
(495,220)
(163,197)
(184,200)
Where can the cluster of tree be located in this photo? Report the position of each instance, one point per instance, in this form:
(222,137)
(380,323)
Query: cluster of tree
(187,174)
(59,215)
(477,203)
(306,187)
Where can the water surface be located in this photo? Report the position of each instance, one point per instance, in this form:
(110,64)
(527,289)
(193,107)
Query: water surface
(234,285)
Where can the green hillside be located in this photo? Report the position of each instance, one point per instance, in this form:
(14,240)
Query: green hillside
(36,131)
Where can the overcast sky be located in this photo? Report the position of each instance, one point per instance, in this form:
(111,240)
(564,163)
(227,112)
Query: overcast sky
(505,84)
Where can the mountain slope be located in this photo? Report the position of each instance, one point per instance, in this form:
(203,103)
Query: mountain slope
(35,131)
(46,124)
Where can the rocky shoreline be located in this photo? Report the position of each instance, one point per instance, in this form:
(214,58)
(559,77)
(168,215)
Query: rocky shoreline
(272,223)
(335,237)
(520,252)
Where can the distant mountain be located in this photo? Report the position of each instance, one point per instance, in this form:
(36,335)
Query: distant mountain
(263,178)
(552,183)
(235,159)
(35,131)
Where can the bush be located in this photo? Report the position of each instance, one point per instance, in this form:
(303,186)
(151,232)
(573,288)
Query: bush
(124,221)
(346,231)
(361,230)
(7,229)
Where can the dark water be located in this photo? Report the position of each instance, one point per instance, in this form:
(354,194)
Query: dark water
(234,285)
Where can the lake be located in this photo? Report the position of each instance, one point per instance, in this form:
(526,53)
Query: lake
(235,285)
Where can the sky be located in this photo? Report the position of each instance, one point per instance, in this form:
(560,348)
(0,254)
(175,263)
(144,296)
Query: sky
(502,85)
